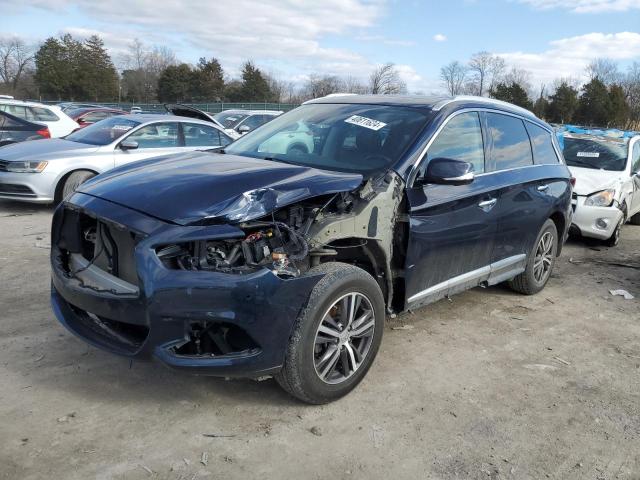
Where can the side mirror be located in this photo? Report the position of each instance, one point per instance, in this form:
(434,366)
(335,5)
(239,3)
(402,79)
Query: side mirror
(129,145)
(447,171)
(243,129)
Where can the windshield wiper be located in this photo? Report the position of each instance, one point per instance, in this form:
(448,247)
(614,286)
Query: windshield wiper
(274,159)
(578,163)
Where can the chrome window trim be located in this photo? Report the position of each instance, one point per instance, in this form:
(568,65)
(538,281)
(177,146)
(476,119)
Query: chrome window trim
(414,168)
(490,101)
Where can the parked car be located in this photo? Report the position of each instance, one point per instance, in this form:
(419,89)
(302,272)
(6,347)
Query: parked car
(6,97)
(14,130)
(254,262)
(56,167)
(606,165)
(74,105)
(234,122)
(58,123)
(135,110)
(90,115)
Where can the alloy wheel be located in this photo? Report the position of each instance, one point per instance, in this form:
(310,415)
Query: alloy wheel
(343,338)
(544,258)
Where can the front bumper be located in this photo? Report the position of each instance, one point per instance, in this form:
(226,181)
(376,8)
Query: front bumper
(28,187)
(160,318)
(595,222)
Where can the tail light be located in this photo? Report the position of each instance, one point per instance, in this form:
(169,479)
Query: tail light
(573,181)
(44,133)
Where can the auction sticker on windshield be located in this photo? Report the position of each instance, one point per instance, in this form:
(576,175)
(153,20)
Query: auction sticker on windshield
(365,122)
(588,154)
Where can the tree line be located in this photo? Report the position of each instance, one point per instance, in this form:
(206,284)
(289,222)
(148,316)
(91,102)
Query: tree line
(67,68)
(610,97)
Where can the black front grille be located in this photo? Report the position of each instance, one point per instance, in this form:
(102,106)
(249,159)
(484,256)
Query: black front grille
(3,165)
(18,190)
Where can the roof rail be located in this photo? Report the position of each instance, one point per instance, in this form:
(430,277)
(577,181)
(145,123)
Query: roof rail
(472,98)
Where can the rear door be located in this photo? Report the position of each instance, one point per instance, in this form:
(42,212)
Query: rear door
(527,196)
(451,227)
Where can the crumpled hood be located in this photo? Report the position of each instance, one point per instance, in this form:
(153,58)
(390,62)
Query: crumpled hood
(199,187)
(48,149)
(589,180)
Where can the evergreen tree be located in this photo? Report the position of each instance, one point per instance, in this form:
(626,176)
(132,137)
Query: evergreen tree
(254,86)
(563,104)
(100,79)
(176,84)
(594,105)
(208,80)
(620,111)
(51,70)
(512,93)
(541,107)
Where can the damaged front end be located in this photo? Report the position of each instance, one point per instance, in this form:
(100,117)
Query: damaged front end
(362,227)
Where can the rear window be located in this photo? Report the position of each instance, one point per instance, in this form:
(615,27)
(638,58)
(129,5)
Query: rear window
(43,114)
(542,144)
(511,146)
(597,153)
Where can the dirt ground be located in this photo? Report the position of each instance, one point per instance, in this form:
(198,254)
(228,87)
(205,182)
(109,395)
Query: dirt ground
(490,384)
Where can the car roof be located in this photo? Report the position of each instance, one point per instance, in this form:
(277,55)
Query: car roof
(27,103)
(433,103)
(252,112)
(159,117)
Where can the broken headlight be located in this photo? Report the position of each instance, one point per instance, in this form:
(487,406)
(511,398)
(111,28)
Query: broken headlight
(272,245)
(603,198)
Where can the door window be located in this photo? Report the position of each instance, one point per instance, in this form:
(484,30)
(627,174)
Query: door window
(460,139)
(16,110)
(43,115)
(253,122)
(511,146)
(200,135)
(543,151)
(635,158)
(156,135)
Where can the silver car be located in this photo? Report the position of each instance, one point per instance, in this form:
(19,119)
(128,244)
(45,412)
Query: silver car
(46,171)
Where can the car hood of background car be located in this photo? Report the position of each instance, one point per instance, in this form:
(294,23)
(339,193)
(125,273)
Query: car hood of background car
(590,180)
(49,149)
(203,187)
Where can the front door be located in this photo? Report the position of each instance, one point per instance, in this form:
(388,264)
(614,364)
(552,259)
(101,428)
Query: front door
(451,227)
(154,140)
(634,208)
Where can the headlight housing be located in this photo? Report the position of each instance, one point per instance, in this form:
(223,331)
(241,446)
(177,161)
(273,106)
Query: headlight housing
(603,198)
(26,167)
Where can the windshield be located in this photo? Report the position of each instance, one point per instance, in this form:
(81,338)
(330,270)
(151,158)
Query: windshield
(600,154)
(103,132)
(348,138)
(229,119)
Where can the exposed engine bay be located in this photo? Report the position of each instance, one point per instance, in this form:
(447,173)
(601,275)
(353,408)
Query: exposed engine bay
(361,227)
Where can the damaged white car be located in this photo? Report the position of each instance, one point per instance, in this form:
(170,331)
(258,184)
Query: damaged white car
(606,166)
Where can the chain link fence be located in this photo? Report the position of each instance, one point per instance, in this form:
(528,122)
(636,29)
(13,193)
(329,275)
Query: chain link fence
(206,107)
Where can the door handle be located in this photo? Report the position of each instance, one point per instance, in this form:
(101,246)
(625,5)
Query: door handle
(488,204)
(543,188)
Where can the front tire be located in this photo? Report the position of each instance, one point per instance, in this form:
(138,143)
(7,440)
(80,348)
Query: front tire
(336,337)
(73,181)
(540,262)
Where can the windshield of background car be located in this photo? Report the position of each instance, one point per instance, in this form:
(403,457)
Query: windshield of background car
(600,154)
(103,132)
(348,138)
(229,120)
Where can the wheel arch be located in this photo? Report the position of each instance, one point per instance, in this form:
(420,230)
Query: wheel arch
(63,178)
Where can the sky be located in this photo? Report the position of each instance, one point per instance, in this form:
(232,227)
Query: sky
(293,39)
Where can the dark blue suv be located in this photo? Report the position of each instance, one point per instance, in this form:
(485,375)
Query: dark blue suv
(282,254)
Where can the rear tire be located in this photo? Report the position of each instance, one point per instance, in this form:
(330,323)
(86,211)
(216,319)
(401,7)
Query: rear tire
(540,262)
(328,353)
(73,181)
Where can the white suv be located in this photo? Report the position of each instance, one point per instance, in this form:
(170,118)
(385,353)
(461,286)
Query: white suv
(58,122)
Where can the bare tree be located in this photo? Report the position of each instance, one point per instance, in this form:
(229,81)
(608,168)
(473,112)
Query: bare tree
(605,70)
(519,76)
(16,59)
(485,68)
(142,67)
(453,77)
(321,86)
(353,85)
(631,86)
(385,80)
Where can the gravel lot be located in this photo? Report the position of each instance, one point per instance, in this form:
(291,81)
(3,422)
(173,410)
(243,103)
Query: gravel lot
(488,385)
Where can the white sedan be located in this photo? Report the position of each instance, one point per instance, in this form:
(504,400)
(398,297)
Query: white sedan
(606,167)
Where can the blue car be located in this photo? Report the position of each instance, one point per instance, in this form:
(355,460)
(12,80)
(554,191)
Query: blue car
(254,263)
